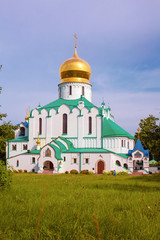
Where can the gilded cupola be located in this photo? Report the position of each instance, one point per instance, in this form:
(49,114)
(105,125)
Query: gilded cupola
(75,69)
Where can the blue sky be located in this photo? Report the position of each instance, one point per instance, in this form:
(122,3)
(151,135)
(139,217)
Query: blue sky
(119,39)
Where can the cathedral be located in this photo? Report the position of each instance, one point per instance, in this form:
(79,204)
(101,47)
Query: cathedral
(71,133)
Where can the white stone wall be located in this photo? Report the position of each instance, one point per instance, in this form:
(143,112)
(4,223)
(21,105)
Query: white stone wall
(19,148)
(115,144)
(76,91)
(25,162)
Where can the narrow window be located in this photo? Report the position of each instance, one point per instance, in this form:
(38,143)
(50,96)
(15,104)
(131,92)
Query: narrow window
(40,125)
(90,125)
(24,146)
(128,144)
(64,123)
(14,147)
(70,90)
(64,159)
(122,143)
(75,160)
(83,91)
(87,160)
(17,163)
(33,160)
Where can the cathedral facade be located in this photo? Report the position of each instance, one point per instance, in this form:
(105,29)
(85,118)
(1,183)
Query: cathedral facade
(71,133)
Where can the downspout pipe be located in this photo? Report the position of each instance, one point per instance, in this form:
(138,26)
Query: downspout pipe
(80,162)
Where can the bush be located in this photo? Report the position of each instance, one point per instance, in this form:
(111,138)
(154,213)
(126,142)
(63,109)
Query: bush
(122,173)
(84,172)
(25,171)
(107,173)
(15,171)
(20,170)
(5,176)
(91,173)
(66,172)
(74,171)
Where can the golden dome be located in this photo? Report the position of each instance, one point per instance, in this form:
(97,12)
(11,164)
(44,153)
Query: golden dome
(75,69)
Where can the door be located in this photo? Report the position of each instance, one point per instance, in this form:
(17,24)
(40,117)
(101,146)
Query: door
(100,167)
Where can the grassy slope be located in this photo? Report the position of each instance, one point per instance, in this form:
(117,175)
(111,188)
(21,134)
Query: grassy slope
(126,207)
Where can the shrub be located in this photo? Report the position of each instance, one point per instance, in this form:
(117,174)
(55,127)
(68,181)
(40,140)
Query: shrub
(107,173)
(84,172)
(74,171)
(91,173)
(122,173)
(66,172)
(20,170)
(5,176)
(15,171)
(25,171)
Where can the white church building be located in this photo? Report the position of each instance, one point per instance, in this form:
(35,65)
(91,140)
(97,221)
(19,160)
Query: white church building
(71,133)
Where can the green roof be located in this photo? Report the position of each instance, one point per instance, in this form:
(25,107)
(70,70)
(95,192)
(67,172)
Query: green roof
(112,129)
(22,139)
(152,161)
(57,151)
(87,150)
(70,103)
(69,143)
(61,145)
(33,152)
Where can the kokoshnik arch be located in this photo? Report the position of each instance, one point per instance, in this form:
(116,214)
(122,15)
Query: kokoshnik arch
(72,133)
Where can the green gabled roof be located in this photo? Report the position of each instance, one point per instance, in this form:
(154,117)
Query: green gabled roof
(70,103)
(22,139)
(69,143)
(111,129)
(61,145)
(57,151)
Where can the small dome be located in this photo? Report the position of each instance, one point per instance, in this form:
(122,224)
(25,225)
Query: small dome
(75,69)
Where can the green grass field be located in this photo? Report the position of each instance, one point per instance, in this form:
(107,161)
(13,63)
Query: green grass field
(122,207)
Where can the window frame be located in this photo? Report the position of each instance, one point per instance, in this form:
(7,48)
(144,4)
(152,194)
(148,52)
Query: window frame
(65,124)
(90,125)
(70,90)
(40,126)
(33,162)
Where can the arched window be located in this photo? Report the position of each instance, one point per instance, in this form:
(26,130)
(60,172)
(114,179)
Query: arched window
(40,125)
(70,90)
(64,123)
(83,90)
(22,131)
(118,163)
(90,125)
(125,165)
(17,163)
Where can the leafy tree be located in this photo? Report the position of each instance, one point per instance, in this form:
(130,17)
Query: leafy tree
(5,176)
(150,136)
(6,133)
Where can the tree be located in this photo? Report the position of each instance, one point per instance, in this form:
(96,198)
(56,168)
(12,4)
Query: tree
(150,136)
(5,176)
(6,133)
